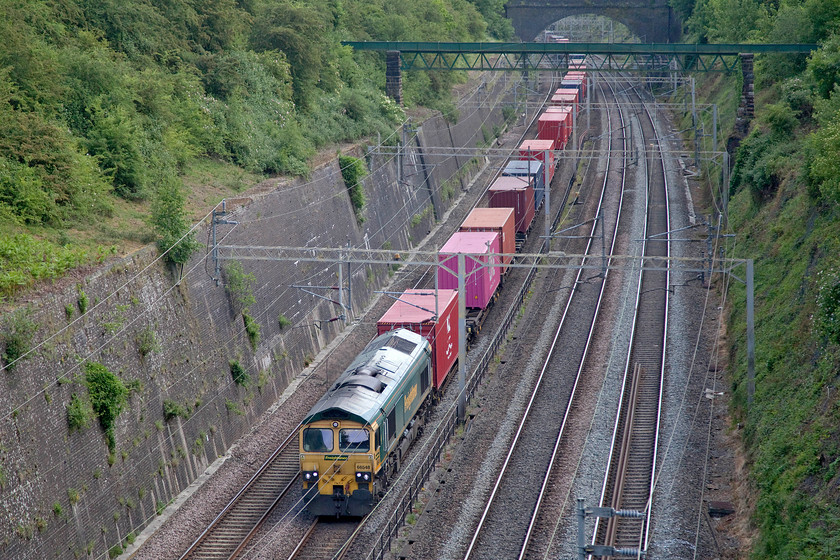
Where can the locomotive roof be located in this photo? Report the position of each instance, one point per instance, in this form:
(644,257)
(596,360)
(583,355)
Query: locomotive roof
(374,377)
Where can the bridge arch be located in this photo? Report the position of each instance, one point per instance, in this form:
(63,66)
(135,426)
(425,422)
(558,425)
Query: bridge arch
(653,21)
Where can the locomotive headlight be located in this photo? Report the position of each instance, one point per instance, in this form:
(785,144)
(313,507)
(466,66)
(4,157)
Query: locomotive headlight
(362,477)
(310,476)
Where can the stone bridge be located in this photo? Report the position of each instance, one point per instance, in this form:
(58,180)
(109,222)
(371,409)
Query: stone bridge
(653,21)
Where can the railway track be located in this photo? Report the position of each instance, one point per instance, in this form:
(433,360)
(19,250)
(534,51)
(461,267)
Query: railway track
(535,443)
(325,539)
(424,457)
(628,482)
(232,529)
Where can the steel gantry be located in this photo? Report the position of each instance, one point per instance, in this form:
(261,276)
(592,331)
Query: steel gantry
(610,57)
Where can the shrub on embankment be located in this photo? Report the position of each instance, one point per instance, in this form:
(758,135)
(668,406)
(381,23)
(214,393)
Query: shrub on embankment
(107,107)
(785,211)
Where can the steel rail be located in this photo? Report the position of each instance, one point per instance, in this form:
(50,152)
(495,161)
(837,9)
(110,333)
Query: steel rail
(526,415)
(441,433)
(547,478)
(207,535)
(630,418)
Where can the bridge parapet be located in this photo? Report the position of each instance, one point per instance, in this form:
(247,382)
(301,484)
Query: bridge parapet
(653,21)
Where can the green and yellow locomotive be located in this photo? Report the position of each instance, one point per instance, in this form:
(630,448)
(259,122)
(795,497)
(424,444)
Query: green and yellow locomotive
(353,439)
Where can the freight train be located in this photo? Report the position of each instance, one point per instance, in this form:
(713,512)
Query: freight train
(353,440)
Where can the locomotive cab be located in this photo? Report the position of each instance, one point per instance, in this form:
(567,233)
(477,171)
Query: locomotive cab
(337,468)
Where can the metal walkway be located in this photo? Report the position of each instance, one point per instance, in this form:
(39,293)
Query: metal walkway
(612,57)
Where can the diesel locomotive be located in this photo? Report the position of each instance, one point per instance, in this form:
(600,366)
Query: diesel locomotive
(353,439)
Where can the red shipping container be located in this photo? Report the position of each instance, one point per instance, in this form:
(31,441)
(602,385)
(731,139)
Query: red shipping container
(536,149)
(415,311)
(481,280)
(565,115)
(516,193)
(550,127)
(500,220)
(565,97)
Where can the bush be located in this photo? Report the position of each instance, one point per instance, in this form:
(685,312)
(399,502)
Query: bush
(147,342)
(283,321)
(240,286)
(108,397)
(353,171)
(18,332)
(240,376)
(170,223)
(79,413)
(252,328)
(172,409)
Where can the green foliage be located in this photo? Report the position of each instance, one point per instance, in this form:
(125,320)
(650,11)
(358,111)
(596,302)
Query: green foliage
(353,171)
(172,409)
(760,165)
(252,329)
(780,118)
(73,496)
(234,408)
(240,375)
(283,321)
(2,478)
(170,223)
(791,428)
(828,303)
(25,260)
(239,286)
(300,30)
(56,509)
(728,21)
(498,25)
(115,550)
(79,413)
(16,337)
(106,102)
(82,301)
(823,150)
(147,342)
(108,397)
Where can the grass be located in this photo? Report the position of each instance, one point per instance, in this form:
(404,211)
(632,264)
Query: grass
(791,430)
(44,253)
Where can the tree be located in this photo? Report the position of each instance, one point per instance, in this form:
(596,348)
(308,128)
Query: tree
(300,32)
(170,222)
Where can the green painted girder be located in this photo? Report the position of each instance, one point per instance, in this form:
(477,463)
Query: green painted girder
(624,57)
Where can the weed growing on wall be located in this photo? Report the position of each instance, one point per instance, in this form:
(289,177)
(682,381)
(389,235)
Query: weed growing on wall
(240,376)
(147,342)
(16,337)
(240,286)
(79,413)
(283,321)
(252,328)
(353,171)
(82,301)
(108,397)
(171,410)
